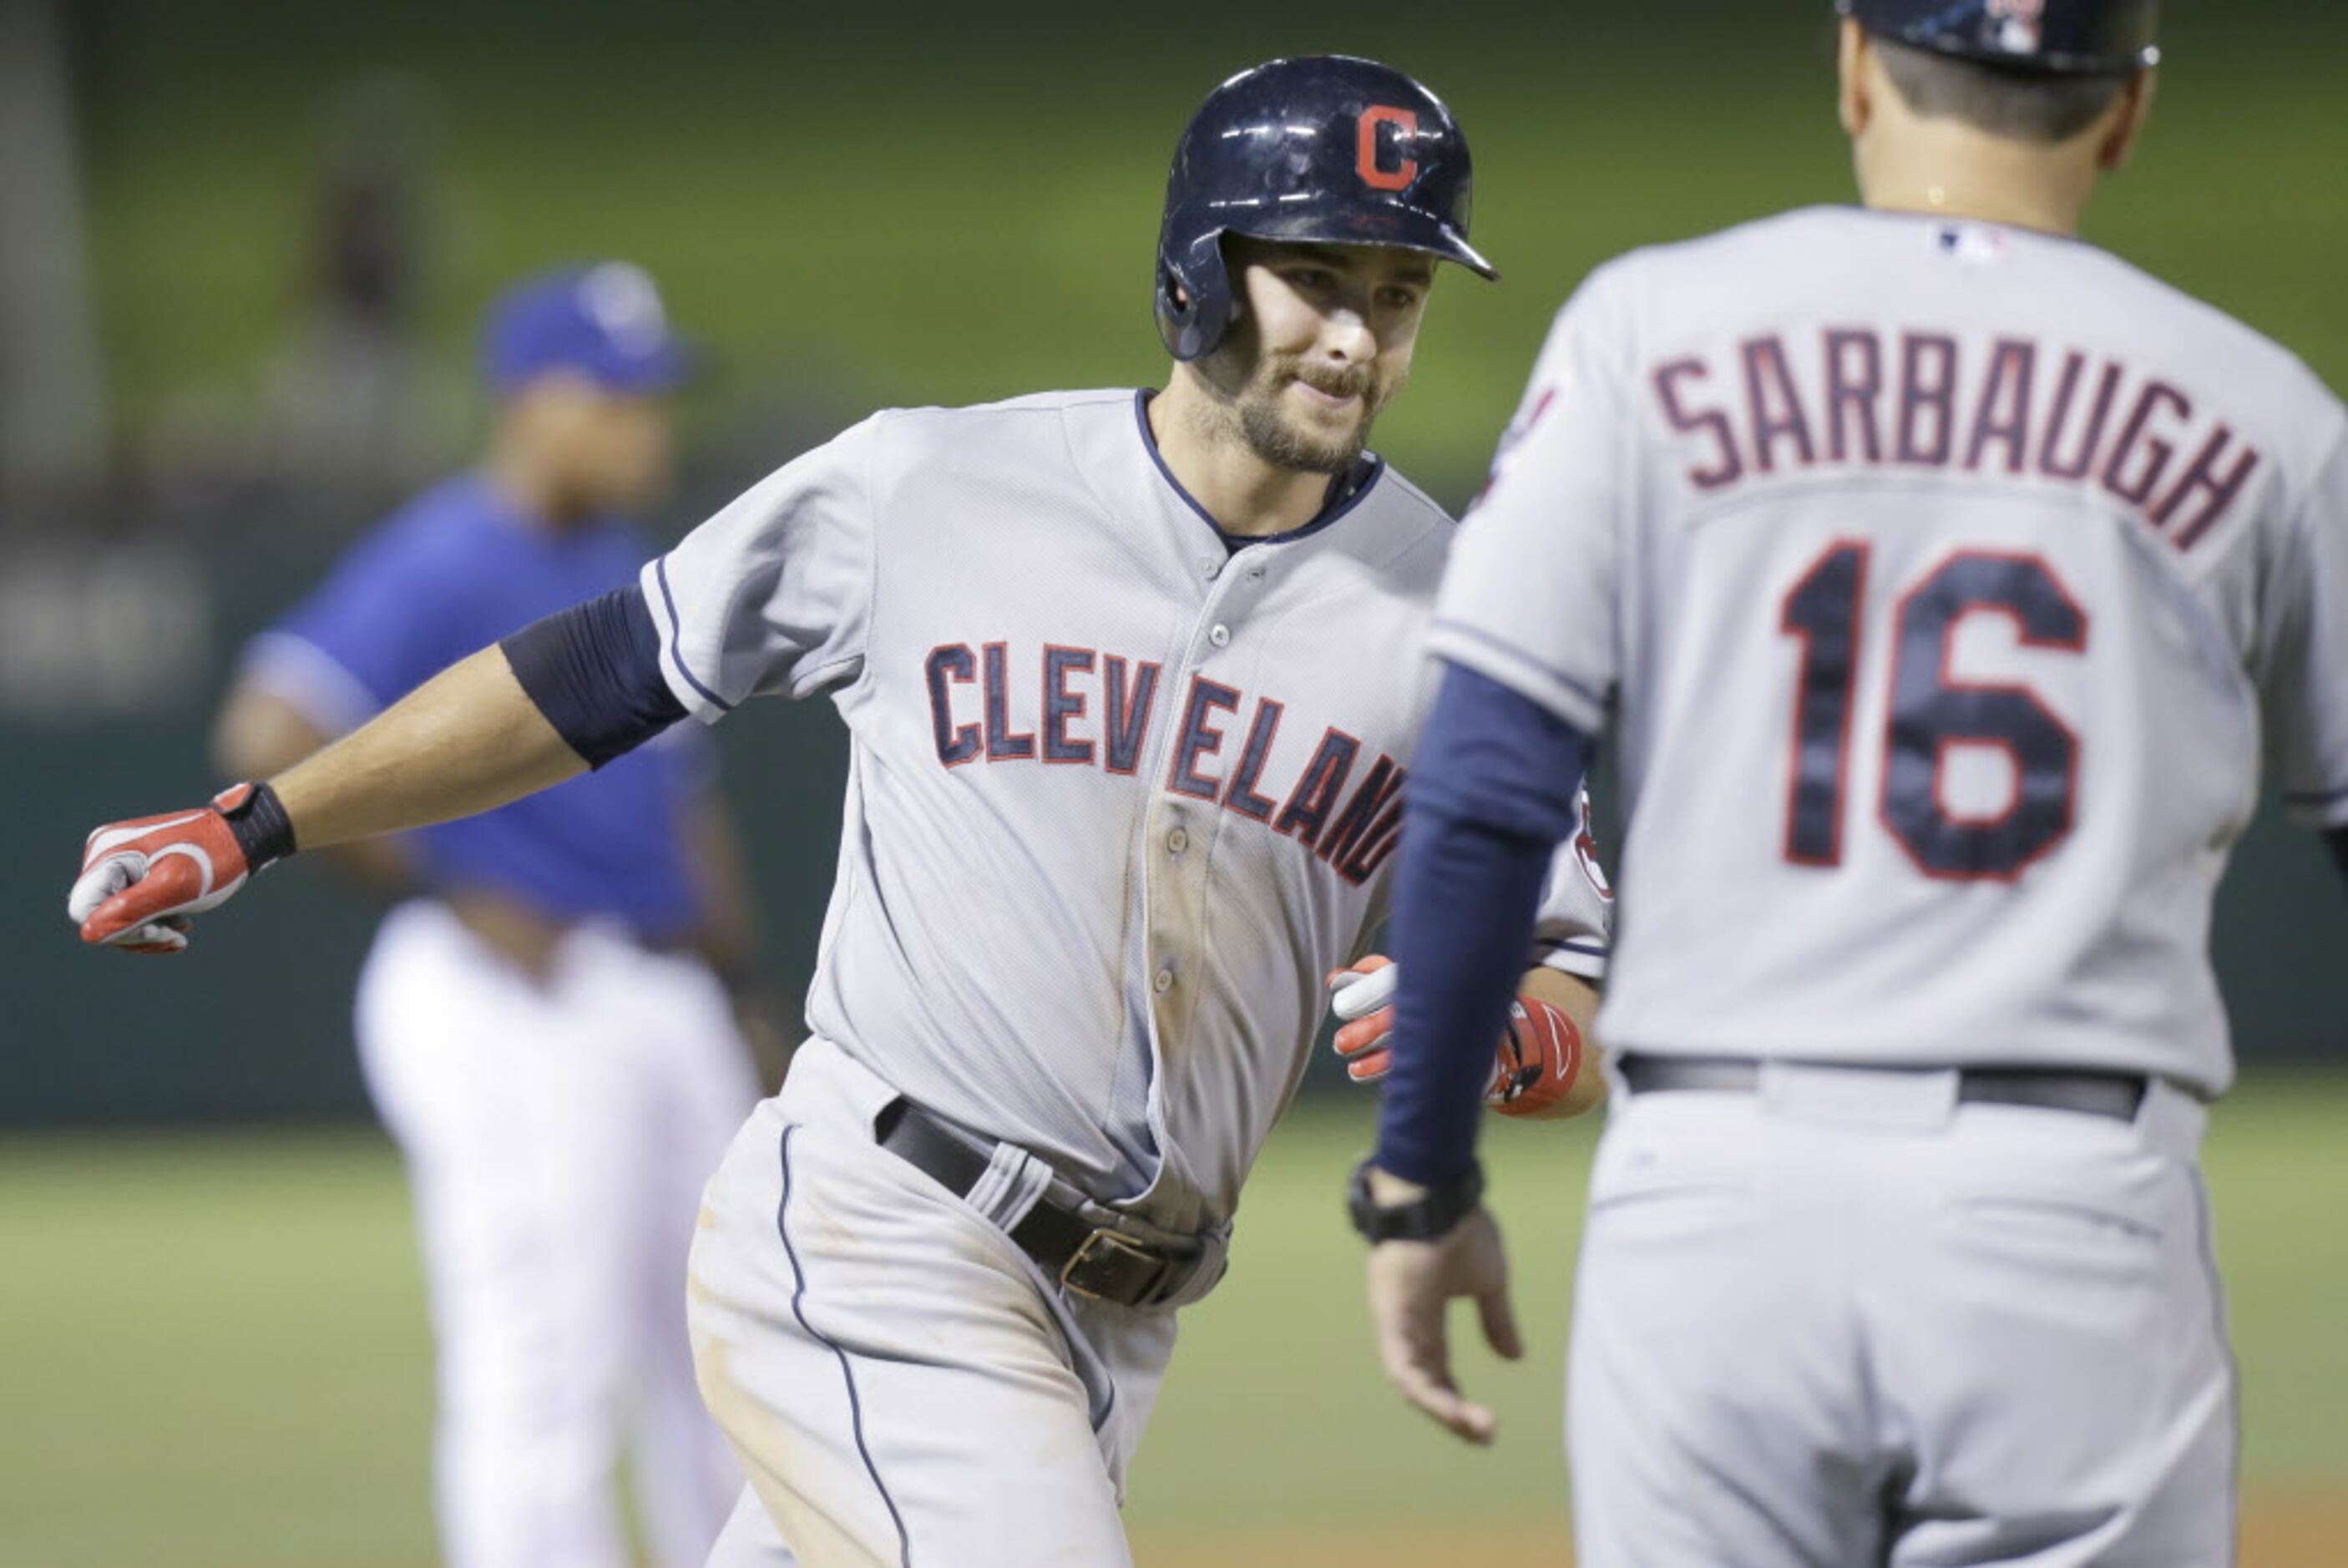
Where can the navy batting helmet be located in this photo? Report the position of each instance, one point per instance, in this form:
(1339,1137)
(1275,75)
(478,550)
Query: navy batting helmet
(1328,149)
(2057,38)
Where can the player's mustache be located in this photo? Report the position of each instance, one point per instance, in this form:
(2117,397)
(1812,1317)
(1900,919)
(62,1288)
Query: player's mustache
(1356,383)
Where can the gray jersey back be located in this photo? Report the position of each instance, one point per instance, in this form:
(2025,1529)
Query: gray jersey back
(1944,581)
(1118,797)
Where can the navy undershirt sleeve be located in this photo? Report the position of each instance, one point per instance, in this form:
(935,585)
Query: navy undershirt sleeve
(1495,791)
(2338,839)
(594,670)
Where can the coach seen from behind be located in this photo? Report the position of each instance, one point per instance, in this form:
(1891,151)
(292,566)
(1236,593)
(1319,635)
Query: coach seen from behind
(1941,580)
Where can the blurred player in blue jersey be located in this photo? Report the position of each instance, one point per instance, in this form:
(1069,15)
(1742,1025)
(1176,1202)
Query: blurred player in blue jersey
(542,1021)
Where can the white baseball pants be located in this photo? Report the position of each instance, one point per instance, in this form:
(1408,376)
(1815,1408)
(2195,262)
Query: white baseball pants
(1847,1320)
(901,1387)
(556,1138)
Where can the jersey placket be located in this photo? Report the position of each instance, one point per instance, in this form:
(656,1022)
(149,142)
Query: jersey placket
(1181,825)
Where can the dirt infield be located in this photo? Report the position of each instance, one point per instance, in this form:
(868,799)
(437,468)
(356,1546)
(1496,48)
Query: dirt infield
(1418,1546)
(2280,1529)
(2294,1530)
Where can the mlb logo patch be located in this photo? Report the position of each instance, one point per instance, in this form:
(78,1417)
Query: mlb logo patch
(2020,25)
(1971,243)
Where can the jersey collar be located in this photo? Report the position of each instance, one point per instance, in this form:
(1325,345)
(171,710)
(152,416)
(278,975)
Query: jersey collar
(1347,490)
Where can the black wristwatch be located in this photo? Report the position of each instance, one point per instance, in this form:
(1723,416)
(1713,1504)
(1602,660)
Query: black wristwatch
(1424,1219)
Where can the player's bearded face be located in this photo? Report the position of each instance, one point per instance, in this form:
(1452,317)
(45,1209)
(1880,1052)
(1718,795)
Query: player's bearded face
(1323,343)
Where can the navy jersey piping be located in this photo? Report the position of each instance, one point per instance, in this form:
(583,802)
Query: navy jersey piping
(676,637)
(1365,474)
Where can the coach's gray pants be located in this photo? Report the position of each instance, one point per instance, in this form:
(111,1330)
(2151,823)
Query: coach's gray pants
(1847,1320)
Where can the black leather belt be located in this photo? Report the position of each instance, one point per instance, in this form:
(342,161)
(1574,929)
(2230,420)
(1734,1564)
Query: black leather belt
(1098,1261)
(2115,1095)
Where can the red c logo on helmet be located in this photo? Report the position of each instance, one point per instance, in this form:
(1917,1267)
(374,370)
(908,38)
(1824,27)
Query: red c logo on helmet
(1367,163)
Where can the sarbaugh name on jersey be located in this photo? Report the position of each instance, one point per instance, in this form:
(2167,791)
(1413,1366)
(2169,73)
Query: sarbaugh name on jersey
(1857,397)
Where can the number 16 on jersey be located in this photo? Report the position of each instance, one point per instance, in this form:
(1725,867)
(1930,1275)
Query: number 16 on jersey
(1931,712)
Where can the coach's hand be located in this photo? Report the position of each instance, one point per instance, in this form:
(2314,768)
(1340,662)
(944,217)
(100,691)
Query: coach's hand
(1411,1285)
(1535,1068)
(142,880)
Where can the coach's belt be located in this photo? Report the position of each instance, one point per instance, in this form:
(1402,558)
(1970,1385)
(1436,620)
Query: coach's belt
(1100,1263)
(2115,1095)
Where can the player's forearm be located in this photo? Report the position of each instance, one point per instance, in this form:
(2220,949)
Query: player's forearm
(1496,791)
(466,740)
(573,690)
(260,734)
(1464,914)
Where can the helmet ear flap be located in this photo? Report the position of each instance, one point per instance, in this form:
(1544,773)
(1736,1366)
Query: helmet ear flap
(1195,323)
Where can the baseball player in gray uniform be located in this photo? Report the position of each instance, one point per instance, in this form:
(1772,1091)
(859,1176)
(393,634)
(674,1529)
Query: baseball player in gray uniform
(1942,577)
(1133,683)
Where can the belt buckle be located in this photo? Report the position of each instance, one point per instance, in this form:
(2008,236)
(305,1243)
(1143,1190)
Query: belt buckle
(1118,1247)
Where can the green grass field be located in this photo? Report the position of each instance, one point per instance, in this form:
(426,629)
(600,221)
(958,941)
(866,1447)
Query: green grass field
(215,1354)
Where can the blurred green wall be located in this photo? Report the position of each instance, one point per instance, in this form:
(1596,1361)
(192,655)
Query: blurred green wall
(926,201)
(937,202)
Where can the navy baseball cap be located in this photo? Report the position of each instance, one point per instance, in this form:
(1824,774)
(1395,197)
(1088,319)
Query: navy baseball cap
(603,321)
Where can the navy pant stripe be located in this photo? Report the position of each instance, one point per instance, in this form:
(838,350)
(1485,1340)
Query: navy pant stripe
(847,1372)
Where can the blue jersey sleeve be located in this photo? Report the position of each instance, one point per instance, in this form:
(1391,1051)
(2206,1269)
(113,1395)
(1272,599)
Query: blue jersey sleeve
(1498,788)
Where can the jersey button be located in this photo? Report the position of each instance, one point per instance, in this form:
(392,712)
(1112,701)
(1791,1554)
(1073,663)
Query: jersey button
(1221,636)
(1177,841)
(1162,982)
(1212,566)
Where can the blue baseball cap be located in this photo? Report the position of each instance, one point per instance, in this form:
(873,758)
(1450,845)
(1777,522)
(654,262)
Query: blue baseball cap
(605,321)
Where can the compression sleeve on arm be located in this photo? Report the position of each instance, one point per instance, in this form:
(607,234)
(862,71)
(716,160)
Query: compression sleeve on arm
(594,670)
(1494,793)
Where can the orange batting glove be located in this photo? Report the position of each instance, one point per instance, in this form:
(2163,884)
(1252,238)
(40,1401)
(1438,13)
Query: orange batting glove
(142,880)
(1533,1071)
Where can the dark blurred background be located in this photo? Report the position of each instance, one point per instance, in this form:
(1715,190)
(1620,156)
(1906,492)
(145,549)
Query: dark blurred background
(242,248)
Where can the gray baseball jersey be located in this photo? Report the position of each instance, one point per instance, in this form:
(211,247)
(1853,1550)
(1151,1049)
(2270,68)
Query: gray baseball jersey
(1944,580)
(1121,790)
